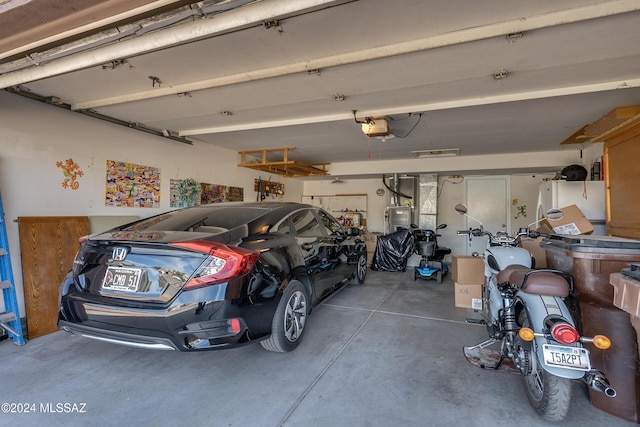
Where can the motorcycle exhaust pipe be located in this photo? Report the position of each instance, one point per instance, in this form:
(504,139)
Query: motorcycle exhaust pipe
(599,382)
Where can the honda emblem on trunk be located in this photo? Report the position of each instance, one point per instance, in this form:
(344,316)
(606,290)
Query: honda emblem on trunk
(119,254)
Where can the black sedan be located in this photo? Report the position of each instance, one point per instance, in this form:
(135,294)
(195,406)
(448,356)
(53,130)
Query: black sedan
(210,277)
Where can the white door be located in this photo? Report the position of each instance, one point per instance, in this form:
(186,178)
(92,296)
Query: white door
(487,200)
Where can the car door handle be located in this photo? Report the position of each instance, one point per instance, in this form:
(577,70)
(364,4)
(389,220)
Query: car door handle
(306,246)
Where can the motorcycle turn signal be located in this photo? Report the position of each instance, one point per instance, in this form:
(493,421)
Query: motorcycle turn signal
(599,341)
(526,334)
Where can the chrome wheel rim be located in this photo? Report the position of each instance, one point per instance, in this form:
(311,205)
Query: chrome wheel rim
(535,379)
(295,316)
(362,267)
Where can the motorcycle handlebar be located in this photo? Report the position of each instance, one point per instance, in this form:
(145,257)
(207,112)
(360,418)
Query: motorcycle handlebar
(533,234)
(472,231)
(499,238)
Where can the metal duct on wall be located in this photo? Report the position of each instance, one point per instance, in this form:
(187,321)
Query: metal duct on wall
(427,203)
(403,190)
(395,196)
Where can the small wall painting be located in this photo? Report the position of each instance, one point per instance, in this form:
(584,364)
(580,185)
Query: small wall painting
(131,185)
(189,192)
(235,194)
(521,210)
(183,193)
(71,172)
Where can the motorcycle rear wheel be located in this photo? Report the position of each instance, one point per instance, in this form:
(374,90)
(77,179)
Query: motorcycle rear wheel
(548,394)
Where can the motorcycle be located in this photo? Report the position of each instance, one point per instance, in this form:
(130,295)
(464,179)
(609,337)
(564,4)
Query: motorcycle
(431,264)
(527,317)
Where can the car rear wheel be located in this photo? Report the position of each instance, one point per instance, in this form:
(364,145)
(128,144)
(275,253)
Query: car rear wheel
(289,320)
(361,269)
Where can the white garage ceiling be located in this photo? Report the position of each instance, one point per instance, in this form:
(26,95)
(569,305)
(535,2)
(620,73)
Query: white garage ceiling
(248,75)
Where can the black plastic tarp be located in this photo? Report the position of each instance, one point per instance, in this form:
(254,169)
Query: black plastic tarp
(393,251)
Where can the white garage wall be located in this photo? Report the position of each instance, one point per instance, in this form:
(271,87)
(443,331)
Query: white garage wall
(34,136)
(375,203)
(524,187)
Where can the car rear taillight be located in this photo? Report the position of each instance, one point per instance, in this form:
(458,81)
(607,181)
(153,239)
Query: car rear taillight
(223,263)
(565,333)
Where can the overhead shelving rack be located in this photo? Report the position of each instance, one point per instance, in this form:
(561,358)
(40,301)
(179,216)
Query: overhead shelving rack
(285,167)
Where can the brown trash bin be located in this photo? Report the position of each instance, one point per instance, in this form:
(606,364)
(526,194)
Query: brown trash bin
(619,363)
(591,260)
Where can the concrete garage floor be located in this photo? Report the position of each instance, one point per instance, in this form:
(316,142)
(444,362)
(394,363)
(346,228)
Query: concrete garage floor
(385,353)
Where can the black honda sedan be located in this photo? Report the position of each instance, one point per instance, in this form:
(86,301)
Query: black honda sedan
(210,277)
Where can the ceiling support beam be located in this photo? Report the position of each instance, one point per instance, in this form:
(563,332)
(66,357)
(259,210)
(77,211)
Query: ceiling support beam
(110,20)
(244,17)
(529,163)
(468,35)
(458,103)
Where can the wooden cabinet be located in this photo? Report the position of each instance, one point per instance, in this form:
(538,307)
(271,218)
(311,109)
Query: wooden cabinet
(622,175)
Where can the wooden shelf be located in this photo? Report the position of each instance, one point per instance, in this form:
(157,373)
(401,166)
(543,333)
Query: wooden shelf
(285,167)
(579,137)
(615,121)
(627,126)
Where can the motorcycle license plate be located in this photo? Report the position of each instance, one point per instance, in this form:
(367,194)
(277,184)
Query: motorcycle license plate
(122,279)
(566,357)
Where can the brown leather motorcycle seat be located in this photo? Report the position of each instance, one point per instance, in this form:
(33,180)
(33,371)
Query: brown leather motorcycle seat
(504,276)
(538,282)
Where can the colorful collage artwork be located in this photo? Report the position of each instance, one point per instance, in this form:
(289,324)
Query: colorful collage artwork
(209,193)
(131,185)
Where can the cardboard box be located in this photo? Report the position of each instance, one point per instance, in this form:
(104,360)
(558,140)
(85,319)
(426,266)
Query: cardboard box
(468,295)
(537,251)
(573,222)
(626,293)
(371,240)
(467,269)
(626,296)
(370,255)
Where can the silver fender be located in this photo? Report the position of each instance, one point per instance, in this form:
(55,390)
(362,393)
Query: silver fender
(538,308)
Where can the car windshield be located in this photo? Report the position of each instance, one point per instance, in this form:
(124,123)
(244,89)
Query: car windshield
(189,219)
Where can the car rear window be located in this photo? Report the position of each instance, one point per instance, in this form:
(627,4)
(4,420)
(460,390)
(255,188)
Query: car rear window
(305,224)
(191,219)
